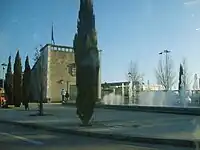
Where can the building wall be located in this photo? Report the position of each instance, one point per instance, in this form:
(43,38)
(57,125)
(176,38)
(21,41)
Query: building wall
(44,67)
(153,87)
(59,74)
(56,69)
(48,72)
(38,75)
(35,82)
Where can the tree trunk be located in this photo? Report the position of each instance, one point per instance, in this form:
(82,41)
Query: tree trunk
(41,110)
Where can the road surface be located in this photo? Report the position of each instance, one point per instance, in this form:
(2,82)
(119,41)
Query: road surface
(20,138)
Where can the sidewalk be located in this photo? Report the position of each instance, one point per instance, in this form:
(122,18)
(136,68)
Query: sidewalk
(180,130)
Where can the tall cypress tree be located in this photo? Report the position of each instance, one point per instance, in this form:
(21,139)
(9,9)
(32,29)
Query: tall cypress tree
(180,75)
(26,82)
(87,61)
(17,81)
(9,83)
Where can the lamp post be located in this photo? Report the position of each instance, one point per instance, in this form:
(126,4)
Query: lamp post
(166,68)
(99,75)
(4,67)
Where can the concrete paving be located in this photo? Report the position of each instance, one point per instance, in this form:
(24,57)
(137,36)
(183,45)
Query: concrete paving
(126,123)
(19,138)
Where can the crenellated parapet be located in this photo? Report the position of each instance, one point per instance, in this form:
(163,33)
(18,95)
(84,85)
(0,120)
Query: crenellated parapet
(58,48)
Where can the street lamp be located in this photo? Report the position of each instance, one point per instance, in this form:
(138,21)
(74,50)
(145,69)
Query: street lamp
(166,61)
(99,75)
(4,67)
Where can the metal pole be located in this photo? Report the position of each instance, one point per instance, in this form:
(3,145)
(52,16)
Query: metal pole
(161,60)
(167,67)
(167,77)
(3,65)
(99,84)
(3,77)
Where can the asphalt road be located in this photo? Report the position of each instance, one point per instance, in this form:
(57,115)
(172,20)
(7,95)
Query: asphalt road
(20,138)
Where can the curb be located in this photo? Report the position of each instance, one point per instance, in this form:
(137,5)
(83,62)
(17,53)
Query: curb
(153,109)
(118,137)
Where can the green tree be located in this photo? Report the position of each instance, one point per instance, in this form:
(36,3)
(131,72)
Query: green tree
(17,81)
(180,77)
(9,83)
(26,82)
(87,62)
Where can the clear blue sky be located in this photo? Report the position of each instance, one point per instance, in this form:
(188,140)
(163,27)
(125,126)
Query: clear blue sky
(127,30)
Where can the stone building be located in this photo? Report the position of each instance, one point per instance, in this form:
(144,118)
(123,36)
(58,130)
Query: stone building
(53,71)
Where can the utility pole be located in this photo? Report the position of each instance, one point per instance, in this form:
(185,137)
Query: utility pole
(166,66)
(4,67)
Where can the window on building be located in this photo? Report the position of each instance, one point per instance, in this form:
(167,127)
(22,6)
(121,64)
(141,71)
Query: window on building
(73,71)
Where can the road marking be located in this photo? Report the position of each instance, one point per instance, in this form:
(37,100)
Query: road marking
(22,138)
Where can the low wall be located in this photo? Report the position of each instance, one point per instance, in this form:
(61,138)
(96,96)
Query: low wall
(171,110)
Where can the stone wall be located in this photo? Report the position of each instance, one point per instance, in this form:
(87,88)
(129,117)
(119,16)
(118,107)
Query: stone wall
(56,70)
(35,82)
(61,74)
(39,77)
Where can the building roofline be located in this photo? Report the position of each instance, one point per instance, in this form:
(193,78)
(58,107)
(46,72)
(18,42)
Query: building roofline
(62,46)
(59,46)
(120,82)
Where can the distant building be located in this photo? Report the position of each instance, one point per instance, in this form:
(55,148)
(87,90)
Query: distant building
(153,87)
(114,84)
(143,87)
(115,87)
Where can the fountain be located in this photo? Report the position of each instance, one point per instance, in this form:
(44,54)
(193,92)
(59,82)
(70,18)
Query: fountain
(112,98)
(182,92)
(158,98)
(148,98)
(130,90)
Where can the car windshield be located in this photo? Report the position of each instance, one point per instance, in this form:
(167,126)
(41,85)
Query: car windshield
(76,74)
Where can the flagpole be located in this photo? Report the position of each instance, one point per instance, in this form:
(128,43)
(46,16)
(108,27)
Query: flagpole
(52,35)
(51,32)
